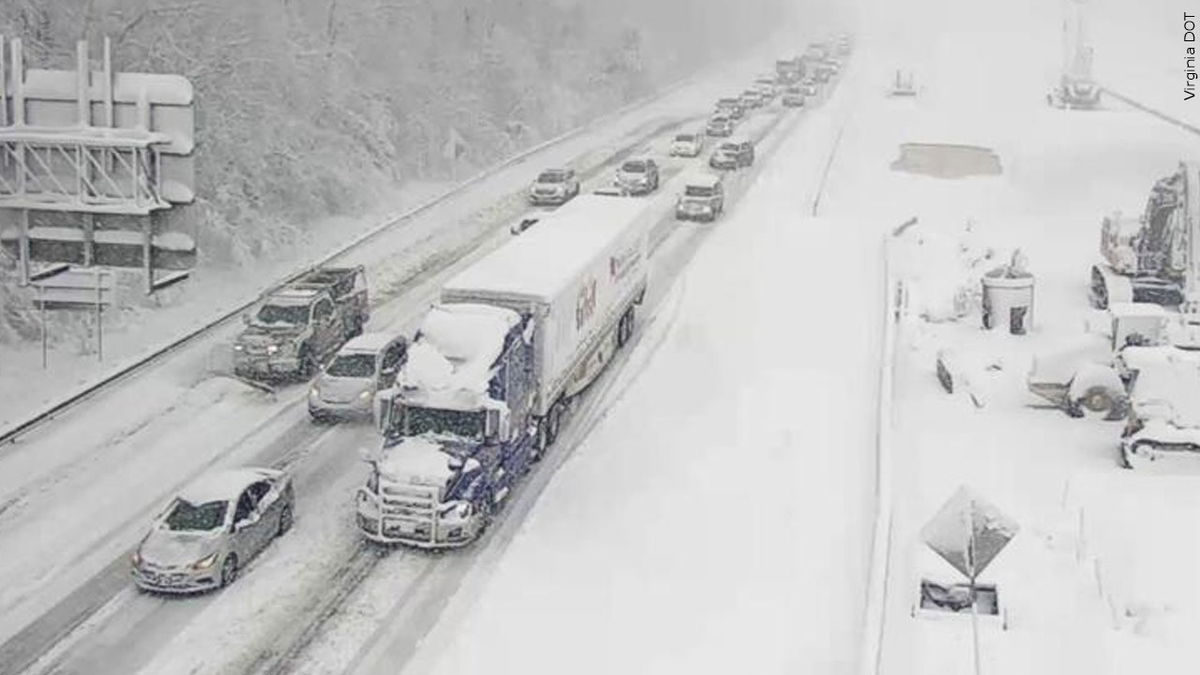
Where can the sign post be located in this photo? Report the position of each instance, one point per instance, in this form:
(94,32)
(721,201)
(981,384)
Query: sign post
(968,532)
(65,287)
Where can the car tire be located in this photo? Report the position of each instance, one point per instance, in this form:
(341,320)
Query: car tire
(308,363)
(285,520)
(229,570)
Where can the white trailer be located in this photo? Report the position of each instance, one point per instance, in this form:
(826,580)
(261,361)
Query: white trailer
(577,275)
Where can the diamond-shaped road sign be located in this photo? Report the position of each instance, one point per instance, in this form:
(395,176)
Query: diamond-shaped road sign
(968,532)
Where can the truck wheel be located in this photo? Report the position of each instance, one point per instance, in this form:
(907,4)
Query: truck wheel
(553,423)
(625,328)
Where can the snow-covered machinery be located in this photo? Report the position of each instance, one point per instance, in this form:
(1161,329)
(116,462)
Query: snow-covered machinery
(1076,88)
(1089,375)
(1163,427)
(1154,258)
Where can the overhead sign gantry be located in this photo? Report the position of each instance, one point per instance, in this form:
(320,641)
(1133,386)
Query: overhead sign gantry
(101,144)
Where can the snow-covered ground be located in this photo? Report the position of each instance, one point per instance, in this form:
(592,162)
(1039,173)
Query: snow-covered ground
(1082,583)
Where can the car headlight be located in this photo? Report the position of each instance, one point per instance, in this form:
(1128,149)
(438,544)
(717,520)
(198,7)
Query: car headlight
(205,562)
(365,395)
(239,348)
(271,349)
(314,392)
(136,559)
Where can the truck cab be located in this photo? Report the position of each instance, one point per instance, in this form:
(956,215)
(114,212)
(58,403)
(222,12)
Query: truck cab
(457,434)
(294,329)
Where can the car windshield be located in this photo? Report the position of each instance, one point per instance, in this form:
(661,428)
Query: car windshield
(293,315)
(451,422)
(729,147)
(552,177)
(685,138)
(188,517)
(634,166)
(698,191)
(352,365)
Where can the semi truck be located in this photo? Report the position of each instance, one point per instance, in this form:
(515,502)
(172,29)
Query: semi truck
(491,372)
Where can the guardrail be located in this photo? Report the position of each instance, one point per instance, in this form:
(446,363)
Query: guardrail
(138,364)
(1150,111)
(875,614)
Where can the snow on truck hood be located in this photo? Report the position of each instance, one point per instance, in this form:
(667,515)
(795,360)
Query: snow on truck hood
(450,362)
(418,460)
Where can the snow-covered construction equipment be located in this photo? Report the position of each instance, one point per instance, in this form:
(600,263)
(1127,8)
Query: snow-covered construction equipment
(1089,376)
(1154,258)
(1163,427)
(1076,89)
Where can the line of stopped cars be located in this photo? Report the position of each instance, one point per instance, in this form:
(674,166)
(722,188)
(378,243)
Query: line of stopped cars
(478,394)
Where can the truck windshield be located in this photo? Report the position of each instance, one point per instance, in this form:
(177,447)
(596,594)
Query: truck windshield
(452,422)
(352,365)
(188,517)
(292,315)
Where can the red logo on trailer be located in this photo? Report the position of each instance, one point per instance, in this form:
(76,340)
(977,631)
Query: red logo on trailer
(585,303)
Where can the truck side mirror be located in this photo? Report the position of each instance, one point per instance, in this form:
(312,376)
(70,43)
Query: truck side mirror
(383,408)
(491,426)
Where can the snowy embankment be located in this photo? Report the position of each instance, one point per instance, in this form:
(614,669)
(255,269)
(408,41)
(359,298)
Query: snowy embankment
(717,517)
(1081,585)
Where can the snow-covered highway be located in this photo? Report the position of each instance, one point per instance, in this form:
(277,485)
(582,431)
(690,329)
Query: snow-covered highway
(79,504)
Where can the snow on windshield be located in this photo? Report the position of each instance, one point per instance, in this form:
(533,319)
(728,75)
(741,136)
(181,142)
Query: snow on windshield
(450,422)
(291,315)
(188,517)
(352,365)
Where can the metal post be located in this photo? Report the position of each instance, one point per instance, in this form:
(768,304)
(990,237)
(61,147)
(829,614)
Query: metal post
(83,96)
(3,88)
(974,595)
(23,245)
(18,83)
(99,317)
(89,239)
(42,303)
(108,82)
(148,252)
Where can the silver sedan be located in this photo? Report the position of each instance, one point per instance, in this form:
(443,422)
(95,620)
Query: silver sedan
(213,528)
